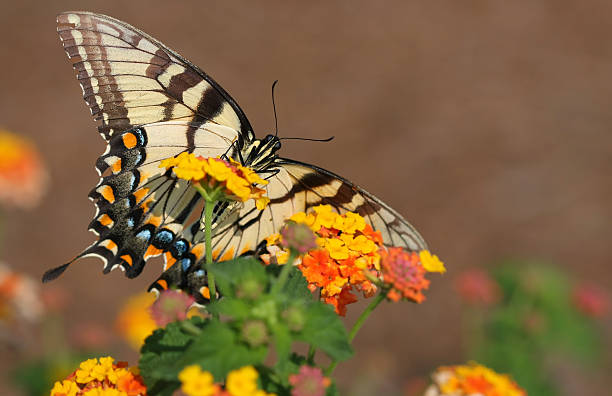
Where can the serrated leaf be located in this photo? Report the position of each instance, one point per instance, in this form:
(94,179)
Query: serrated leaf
(296,287)
(324,330)
(218,350)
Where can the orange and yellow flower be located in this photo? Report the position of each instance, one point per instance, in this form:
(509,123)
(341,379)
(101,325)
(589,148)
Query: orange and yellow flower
(23,178)
(403,274)
(241,382)
(472,379)
(101,377)
(237,181)
(135,322)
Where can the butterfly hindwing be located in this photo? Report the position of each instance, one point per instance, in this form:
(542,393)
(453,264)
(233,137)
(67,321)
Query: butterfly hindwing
(129,78)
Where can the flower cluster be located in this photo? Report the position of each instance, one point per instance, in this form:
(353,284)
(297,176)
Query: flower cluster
(20,297)
(101,377)
(476,286)
(241,382)
(403,274)
(309,382)
(346,247)
(591,300)
(472,379)
(236,181)
(22,176)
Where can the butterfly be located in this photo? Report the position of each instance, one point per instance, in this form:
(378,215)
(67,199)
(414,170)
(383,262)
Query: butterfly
(152,104)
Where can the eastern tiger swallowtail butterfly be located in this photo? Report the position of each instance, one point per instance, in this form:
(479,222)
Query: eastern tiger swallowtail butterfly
(153,104)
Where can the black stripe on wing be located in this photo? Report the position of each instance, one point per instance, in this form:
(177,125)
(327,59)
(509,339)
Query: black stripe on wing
(129,78)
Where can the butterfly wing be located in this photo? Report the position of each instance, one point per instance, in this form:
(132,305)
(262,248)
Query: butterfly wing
(152,104)
(296,187)
(129,78)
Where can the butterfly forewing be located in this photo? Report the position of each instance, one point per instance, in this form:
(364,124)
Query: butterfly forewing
(129,78)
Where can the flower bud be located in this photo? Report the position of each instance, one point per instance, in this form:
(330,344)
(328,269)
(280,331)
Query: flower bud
(255,333)
(298,237)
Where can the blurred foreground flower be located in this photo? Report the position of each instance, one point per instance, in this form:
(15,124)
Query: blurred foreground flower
(171,305)
(472,379)
(23,178)
(241,382)
(101,377)
(475,286)
(591,300)
(309,382)
(20,297)
(404,275)
(134,321)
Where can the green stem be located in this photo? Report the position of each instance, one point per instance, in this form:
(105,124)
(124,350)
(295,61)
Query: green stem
(284,274)
(311,354)
(190,327)
(360,321)
(208,212)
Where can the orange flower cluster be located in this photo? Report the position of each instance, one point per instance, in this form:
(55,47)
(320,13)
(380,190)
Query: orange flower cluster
(347,247)
(22,176)
(19,297)
(236,180)
(241,382)
(101,377)
(404,274)
(472,379)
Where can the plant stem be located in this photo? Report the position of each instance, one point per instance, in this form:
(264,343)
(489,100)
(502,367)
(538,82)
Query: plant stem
(311,354)
(208,212)
(190,327)
(360,321)
(284,274)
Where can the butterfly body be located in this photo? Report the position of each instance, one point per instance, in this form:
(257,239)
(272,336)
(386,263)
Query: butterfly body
(152,104)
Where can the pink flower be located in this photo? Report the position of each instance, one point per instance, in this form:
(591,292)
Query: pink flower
(475,286)
(308,382)
(171,305)
(299,237)
(591,300)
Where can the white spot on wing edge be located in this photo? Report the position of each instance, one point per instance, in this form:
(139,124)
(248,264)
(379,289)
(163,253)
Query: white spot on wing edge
(73,18)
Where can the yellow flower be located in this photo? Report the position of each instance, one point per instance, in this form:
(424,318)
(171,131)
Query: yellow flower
(196,382)
(353,223)
(134,321)
(84,373)
(474,378)
(64,388)
(324,217)
(242,382)
(104,392)
(337,249)
(430,262)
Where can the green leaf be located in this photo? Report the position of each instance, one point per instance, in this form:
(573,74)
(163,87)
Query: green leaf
(218,350)
(324,330)
(160,353)
(296,287)
(230,274)
(232,307)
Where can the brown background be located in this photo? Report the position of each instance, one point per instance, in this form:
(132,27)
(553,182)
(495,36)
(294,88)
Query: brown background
(486,123)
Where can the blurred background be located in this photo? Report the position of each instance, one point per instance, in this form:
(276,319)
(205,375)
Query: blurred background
(485,123)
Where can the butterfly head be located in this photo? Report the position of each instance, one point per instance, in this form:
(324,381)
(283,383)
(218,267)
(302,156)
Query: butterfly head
(261,152)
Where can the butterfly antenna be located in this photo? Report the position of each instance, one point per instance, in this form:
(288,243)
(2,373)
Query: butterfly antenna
(329,139)
(274,107)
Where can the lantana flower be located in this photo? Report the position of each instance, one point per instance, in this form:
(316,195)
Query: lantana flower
(170,306)
(241,382)
(20,297)
(476,286)
(403,274)
(309,382)
(591,300)
(345,248)
(236,182)
(23,178)
(101,377)
(472,379)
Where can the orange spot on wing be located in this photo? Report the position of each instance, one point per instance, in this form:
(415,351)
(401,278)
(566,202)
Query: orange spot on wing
(205,291)
(140,194)
(117,166)
(170,261)
(245,249)
(198,251)
(163,284)
(155,220)
(127,258)
(216,253)
(110,245)
(105,220)
(145,204)
(228,255)
(152,251)
(107,193)
(129,140)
